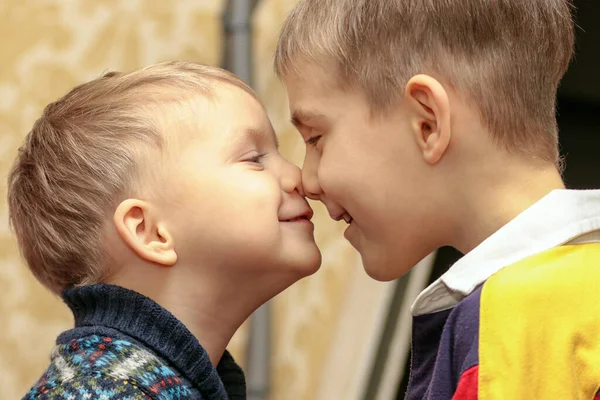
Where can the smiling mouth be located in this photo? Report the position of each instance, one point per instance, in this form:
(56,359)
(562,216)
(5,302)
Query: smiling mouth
(347,218)
(301,218)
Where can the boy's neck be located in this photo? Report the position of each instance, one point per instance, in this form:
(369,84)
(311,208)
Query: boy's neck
(495,199)
(212,309)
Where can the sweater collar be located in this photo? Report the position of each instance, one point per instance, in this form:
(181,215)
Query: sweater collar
(147,322)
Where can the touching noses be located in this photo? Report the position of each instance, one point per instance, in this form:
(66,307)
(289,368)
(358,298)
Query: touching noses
(310,181)
(291,178)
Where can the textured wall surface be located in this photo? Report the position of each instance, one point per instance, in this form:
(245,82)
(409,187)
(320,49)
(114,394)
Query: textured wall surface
(48,46)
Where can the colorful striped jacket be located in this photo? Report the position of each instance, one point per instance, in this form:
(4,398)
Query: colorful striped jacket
(518,318)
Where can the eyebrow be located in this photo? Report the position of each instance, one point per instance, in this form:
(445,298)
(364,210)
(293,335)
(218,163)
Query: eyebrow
(260,135)
(304,117)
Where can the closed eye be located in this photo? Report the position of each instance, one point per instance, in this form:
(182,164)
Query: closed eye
(313,140)
(257,159)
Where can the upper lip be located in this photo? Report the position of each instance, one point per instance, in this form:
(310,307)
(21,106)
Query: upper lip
(306,213)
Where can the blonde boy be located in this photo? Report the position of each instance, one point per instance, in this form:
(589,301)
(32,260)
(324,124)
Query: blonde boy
(431,123)
(157,204)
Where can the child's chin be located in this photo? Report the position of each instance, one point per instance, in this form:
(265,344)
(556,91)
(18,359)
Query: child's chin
(308,262)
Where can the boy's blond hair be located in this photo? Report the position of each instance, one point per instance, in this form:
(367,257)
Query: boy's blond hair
(506,56)
(87,153)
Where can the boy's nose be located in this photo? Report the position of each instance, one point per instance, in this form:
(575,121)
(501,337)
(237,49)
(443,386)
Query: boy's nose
(291,178)
(310,181)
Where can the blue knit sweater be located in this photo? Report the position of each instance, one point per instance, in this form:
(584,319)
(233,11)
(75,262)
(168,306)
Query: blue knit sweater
(126,346)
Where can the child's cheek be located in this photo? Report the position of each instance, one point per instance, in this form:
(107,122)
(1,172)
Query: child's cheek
(263,191)
(333,175)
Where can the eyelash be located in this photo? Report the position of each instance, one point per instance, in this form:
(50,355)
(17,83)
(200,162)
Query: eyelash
(313,140)
(257,158)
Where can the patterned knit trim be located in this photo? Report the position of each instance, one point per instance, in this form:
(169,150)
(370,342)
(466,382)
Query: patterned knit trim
(103,363)
(89,387)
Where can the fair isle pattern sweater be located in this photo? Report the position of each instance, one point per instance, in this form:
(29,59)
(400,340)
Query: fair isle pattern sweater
(126,346)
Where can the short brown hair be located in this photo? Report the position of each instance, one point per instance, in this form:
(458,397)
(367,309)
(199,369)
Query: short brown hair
(83,156)
(507,56)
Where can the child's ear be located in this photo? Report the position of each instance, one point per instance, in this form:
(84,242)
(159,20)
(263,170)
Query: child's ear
(141,230)
(429,111)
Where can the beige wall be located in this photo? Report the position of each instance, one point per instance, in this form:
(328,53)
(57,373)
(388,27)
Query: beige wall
(46,47)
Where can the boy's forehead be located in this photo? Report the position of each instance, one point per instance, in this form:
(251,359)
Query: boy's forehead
(231,116)
(313,101)
(247,118)
(241,118)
